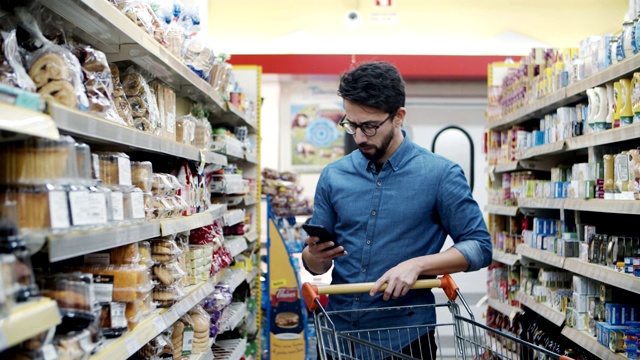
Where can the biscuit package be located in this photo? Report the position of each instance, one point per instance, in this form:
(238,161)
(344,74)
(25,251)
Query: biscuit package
(144,108)
(120,101)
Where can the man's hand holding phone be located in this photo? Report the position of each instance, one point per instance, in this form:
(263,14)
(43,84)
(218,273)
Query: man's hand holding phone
(321,244)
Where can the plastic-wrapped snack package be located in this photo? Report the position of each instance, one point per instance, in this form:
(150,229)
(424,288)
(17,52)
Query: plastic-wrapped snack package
(186,130)
(161,185)
(198,56)
(164,250)
(167,296)
(142,175)
(120,101)
(220,73)
(186,178)
(144,248)
(74,345)
(201,325)
(12,72)
(115,168)
(126,254)
(174,34)
(124,280)
(141,13)
(158,348)
(203,134)
(54,70)
(74,294)
(120,4)
(168,273)
(98,82)
(141,99)
(12,242)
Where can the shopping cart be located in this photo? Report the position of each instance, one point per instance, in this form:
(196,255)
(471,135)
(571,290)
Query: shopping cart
(471,340)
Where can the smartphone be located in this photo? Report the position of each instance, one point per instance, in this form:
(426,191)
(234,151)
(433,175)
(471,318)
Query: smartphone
(322,233)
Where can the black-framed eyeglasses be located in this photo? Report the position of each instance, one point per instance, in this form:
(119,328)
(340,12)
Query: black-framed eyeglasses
(367,128)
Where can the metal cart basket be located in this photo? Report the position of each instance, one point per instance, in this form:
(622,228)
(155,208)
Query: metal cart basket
(471,339)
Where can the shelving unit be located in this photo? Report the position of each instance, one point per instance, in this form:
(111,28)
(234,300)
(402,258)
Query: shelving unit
(229,349)
(505,309)
(541,256)
(236,244)
(502,210)
(27,122)
(505,258)
(157,322)
(232,316)
(547,155)
(554,316)
(27,320)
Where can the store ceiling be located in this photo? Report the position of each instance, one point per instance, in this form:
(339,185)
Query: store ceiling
(418,27)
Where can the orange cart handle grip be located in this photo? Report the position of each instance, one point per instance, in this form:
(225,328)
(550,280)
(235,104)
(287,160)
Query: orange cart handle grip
(310,292)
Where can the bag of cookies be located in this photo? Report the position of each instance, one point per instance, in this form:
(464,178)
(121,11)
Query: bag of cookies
(143,104)
(98,82)
(54,70)
(141,13)
(119,98)
(12,72)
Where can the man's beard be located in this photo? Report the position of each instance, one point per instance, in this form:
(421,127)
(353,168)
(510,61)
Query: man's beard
(379,151)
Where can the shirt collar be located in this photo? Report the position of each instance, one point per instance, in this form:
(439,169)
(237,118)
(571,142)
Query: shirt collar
(395,160)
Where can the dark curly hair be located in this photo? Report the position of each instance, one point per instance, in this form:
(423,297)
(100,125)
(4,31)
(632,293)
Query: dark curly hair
(376,84)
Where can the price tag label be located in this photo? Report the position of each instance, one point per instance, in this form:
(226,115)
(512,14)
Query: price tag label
(98,208)
(117,206)
(118,319)
(58,210)
(187,340)
(124,171)
(137,205)
(103,288)
(80,207)
(159,325)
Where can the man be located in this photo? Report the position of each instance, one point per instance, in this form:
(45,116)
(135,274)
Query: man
(390,206)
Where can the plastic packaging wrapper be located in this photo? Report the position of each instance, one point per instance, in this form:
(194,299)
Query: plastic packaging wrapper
(168,273)
(126,255)
(56,73)
(115,168)
(167,296)
(98,82)
(164,250)
(120,101)
(198,56)
(39,161)
(161,185)
(83,161)
(141,13)
(133,201)
(124,280)
(73,292)
(159,348)
(142,175)
(186,130)
(12,72)
(201,327)
(38,206)
(75,345)
(144,248)
(142,100)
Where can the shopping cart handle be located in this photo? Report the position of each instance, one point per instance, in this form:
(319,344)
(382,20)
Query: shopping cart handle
(310,292)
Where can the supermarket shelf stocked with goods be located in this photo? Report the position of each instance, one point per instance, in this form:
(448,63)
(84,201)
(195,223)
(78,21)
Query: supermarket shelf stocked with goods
(27,320)
(505,258)
(229,349)
(232,316)
(505,309)
(546,257)
(502,210)
(589,343)
(66,245)
(554,316)
(570,94)
(156,323)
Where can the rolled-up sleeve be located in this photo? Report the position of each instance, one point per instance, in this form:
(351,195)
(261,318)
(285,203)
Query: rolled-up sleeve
(463,220)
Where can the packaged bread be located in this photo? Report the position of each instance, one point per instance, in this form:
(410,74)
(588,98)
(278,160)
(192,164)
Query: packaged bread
(142,15)
(126,255)
(121,104)
(158,348)
(113,321)
(168,273)
(144,248)
(39,161)
(166,296)
(186,130)
(98,82)
(133,200)
(203,135)
(161,185)
(39,206)
(115,168)
(127,280)
(164,250)
(142,175)
(201,325)
(140,97)
(73,291)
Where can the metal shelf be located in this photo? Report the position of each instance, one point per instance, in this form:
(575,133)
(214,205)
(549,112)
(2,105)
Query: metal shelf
(505,167)
(232,217)
(604,206)
(589,343)
(249,200)
(28,122)
(554,316)
(77,242)
(251,236)
(229,349)
(543,150)
(541,256)
(234,277)
(536,203)
(235,244)
(232,316)
(502,210)
(185,223)
(27,320)
(622,69)
(505,258)
(94,129)
(603,274)
(537,108)
(624,133)
(505,309)
(157,322)
(208,355)
(235,117)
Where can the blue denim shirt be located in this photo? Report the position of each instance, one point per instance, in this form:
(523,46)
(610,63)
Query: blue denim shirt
(383,218)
